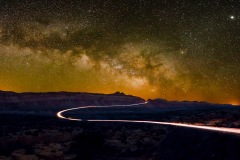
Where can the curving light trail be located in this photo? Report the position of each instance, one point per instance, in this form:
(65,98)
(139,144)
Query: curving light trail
(218,129)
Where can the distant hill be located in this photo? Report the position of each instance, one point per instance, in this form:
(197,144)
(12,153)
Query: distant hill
(165,103)
(55,101)
(52,101)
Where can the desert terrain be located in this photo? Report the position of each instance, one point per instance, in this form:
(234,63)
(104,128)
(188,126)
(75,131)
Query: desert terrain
(30,129)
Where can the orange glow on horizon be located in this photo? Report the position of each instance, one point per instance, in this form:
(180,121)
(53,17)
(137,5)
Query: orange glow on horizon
(235,103)
(139,92)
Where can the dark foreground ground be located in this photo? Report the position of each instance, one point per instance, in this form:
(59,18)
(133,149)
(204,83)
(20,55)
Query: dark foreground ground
(46,137)
(30,130)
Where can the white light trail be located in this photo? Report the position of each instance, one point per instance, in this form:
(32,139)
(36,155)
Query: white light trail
(210,128)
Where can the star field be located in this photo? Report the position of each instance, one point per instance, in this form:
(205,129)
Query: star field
(177,50)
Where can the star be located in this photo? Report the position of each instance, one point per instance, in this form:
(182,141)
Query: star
(232,17)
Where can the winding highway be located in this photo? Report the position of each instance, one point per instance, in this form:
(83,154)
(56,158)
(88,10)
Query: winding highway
(209,128)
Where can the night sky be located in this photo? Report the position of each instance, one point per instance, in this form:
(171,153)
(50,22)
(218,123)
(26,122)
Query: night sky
(171,49)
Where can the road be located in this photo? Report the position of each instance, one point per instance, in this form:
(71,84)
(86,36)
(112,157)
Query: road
(209,128)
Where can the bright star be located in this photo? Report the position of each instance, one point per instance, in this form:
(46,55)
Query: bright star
(232,17)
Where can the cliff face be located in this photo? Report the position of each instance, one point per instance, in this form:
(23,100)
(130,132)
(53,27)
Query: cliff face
(53,101)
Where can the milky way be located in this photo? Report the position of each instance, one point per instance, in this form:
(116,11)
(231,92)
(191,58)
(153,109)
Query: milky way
(177,50)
